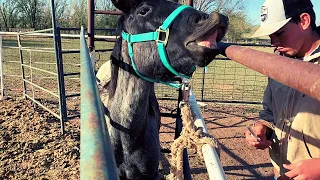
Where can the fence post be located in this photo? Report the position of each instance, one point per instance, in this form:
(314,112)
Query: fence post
(59,61)
(203,81)
(1,71)
(22,67)
(178,129)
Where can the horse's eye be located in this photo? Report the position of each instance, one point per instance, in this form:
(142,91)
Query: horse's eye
(144,11)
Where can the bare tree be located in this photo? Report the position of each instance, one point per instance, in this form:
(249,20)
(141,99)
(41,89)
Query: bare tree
(9,13)
(105,21)
(238,26)
(234,9)
(78,13)
(46,15)
(31,10)
(104,5)
(205,5)
(222,6)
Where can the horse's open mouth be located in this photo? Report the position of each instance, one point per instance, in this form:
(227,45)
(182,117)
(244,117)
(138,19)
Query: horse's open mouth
(209,40)
(203,42)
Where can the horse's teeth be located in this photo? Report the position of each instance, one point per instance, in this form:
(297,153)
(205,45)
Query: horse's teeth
(202,44)
(208,45)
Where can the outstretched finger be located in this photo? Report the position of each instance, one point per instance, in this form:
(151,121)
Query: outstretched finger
(289,166)
(292,173)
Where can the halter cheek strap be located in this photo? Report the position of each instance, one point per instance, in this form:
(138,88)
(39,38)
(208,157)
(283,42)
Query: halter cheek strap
(162,31)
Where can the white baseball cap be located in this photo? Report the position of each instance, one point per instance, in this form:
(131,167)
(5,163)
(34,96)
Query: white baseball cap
(277,13)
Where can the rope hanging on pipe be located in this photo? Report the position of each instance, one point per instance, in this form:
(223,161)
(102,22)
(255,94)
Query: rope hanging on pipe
(191,138)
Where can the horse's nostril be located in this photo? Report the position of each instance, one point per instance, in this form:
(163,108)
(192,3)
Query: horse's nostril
(196,20)
(130,17)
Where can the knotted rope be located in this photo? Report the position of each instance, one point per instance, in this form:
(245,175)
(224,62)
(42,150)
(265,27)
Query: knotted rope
(191,138)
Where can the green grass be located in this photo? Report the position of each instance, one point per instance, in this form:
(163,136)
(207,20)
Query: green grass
(224,80)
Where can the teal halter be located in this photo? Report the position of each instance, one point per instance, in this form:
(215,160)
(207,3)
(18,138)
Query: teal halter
(155,36)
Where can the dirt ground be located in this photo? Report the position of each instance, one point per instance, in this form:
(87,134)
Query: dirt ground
(32,146)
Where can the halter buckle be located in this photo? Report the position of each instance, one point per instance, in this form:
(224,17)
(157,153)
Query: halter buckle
(185,89)
(166,36)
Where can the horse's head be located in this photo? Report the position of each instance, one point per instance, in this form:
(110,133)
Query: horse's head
(189,41)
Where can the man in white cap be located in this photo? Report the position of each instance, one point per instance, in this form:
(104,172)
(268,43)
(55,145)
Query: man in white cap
(289,123)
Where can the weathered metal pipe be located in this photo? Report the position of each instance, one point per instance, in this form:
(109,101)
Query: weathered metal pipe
(59,67)
(108,12)
(211,158)
(300,75)
(96,159)
(190,3)
(90,5)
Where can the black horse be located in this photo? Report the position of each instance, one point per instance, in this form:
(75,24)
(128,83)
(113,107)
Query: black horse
(172,45)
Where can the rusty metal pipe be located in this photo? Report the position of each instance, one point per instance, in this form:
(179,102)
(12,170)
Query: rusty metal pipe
(190,3)
(108,12)
(90,32)
(300,75)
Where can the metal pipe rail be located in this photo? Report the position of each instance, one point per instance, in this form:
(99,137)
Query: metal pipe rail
(38,31)
(96,159)
(39,87)
(78,29)
(39,69)
(9,33)
(108,12)
(286,70)
(43,106)
(72,74)
(211,158)
(2,95)
(44,63)
(59,66)
(62,35)
(73,95)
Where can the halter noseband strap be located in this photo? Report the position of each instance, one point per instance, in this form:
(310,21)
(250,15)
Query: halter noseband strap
(155,36)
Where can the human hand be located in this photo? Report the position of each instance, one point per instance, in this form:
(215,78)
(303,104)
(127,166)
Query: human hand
(260,131)
(302,170)
(222,47)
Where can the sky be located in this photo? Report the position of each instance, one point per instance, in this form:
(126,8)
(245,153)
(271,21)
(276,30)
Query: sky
(253,9)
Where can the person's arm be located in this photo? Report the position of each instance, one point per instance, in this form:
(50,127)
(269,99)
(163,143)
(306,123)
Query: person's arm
(305,169)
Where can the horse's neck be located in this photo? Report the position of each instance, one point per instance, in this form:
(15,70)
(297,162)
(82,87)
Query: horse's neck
(130,104)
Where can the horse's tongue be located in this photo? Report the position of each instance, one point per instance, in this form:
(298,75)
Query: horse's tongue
(210,42)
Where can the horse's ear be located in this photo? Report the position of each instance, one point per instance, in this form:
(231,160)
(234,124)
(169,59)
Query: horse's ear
(126,5)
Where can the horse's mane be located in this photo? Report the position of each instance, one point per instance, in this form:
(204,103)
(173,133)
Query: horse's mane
(116,56)
(117,62)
